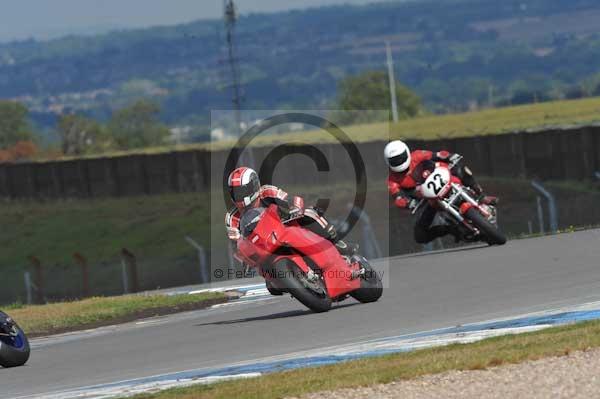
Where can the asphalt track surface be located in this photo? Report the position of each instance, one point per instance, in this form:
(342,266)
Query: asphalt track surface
(424,293)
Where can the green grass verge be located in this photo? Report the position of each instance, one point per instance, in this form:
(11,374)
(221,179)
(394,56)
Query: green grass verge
(98,229)
(557,341)
(69,316)
(478,123)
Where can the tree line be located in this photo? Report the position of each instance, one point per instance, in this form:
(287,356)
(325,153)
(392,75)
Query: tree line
(364,98)
(135,126)
(454,54)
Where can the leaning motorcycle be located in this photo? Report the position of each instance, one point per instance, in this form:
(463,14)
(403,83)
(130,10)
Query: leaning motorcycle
(456,204)
(14,345)
(297,261)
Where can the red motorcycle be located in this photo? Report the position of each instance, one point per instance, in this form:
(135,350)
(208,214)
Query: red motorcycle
(457,205)
(297,261)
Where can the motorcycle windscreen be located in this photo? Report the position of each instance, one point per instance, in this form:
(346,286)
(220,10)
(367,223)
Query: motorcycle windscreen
(250,220)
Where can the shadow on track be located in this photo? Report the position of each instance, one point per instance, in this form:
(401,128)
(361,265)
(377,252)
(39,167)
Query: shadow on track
(274,316)
(462,248)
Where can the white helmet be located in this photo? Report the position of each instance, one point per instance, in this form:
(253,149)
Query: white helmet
(397,156)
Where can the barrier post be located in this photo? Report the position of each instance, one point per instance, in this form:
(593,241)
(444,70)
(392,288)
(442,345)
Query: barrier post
(130,261)
(552,208)
(38,278)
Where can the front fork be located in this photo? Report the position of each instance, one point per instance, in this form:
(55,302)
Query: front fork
(458,193)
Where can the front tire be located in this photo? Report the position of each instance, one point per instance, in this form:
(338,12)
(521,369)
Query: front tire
(14,351)
(492,234)
(313,295)
(371,287)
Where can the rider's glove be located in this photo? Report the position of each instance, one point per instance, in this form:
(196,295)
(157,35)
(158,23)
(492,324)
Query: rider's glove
(413,203)
(401,201)
(233,233)
(407,203)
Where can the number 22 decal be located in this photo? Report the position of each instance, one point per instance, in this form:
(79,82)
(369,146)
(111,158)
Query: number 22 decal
(436,184)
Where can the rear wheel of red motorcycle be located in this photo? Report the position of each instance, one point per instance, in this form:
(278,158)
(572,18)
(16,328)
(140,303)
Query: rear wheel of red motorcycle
(491,233)
(312,294)
(371,287)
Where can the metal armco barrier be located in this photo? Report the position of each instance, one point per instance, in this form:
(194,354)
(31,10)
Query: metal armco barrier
(552,208)
(575,153)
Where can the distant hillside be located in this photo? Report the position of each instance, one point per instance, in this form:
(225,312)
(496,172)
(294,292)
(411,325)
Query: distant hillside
(455,53)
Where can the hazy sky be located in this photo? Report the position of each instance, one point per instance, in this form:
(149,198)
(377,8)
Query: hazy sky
(49,18)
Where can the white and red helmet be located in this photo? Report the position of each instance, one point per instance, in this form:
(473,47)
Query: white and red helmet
(244,187)
(397,156)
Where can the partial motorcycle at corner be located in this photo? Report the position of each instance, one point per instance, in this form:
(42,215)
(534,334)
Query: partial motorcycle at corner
(457,205)
(14,345)
(295,260)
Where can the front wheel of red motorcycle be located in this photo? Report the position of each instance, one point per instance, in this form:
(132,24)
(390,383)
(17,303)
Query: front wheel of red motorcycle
(371,287)
(309,290)
(491,233)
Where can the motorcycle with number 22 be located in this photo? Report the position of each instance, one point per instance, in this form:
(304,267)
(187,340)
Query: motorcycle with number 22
(456,204)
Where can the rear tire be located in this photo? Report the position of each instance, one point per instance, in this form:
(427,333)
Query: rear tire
(491,233)
(295,282)
(371,287)
(11,356)
(272,290)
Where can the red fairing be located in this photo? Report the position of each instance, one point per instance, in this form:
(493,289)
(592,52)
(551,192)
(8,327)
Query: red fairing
(271,234)
(336,272)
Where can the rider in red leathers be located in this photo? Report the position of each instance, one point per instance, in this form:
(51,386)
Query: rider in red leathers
(247,193)
(405,166)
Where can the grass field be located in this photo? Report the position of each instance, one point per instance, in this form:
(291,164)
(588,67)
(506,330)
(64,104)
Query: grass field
(431,127)
(492,352)
(70,316)
(99,229)
(153,228)
(486,122)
